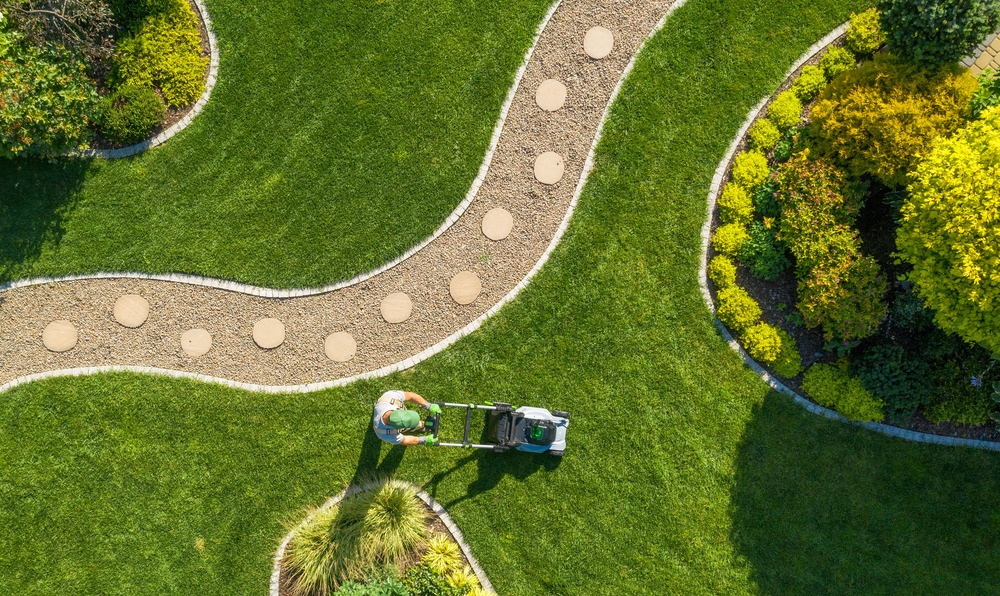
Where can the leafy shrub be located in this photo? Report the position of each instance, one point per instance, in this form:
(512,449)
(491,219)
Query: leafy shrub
(864,35)
(764,201)
(722,272)
(421,580)
(908,312)
(789,362)
(165,52)
(787,145)
(762,253)
(950,229)
(831,386)
(130,114)
(937,32)
(785,111)
(737,309)
(81,27)
(811,81)
(764,134)
(835,61)
(365,532)
(390,586)
(130,14)
(955,398)
(735,205)
(443,554)
(880,117)
(750,169)
(762,342)
(987,95)
(729,239)
(904,383)
(844,298)
(46,103)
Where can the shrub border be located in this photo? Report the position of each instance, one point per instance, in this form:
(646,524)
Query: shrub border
(456,534)
(777,385)
(213,76)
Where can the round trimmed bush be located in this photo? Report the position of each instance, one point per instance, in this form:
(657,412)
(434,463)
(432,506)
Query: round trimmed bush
(835,61)
(729,239)
(737,309)
(764,134)
(735,205)
(722,272)
(762,342)
(785,111)
(810,82)
(789,362)
(865,34)
(831,386)
(750,169)
(131,114)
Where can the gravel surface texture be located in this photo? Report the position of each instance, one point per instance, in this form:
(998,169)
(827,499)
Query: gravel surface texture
(537,210)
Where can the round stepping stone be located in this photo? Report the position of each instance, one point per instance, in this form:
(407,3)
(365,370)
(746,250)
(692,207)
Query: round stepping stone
(59,336)
(196,342)
(340,346)
(396,307)
(131,310)
(269,333)
(497,224)
(465,287)
(598,42)
(550,95)
(549,168)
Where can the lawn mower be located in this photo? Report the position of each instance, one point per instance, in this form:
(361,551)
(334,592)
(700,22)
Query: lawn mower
(534,430)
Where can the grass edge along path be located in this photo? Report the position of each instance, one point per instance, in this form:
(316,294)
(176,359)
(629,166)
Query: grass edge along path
(684,474)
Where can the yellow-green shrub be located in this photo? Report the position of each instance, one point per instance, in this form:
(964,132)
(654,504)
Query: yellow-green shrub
(831,386)
(729,239)
(844,297)
(764,134)
(735,205)
(737,309)
(785,111)
(789,362)
(865,35)
(950,231)
(750,169)
(835,61)
(810,82)
(762,342)
(164,51)
(463,579)
(722,272)
(442,555)
(880,117)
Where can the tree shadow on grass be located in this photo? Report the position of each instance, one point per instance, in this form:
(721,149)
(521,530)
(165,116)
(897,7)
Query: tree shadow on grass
(823,507)
(34,197)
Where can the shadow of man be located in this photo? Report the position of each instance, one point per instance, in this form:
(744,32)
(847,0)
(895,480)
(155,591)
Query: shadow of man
(369,467)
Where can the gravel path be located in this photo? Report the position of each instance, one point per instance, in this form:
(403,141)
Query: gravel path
(537,209)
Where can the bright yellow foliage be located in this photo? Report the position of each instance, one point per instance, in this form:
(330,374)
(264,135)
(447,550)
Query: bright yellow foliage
(951,231)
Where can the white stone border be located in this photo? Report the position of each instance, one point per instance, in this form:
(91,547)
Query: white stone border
(232,286)
(213,76)
(775,384)
(419,357)
(275,584)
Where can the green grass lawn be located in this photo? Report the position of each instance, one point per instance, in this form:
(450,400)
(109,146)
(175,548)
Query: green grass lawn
(339,135)
(684,473)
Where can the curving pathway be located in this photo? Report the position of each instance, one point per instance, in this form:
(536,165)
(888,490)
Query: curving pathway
(390,319)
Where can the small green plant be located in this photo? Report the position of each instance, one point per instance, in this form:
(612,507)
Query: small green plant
(443,554)
(957,397)
(789,362)
(765,202)
(835,61)
(811,81)
(762,253)
(735,205)
(729,239)
(787,145)
(722,272)
(762,342)
(831,386)
(130,114)
(421,580)
(750,169)
(903,382)
(764,134)
(737,309)
(865,35)
(987,94)
(785,111)
(390,586)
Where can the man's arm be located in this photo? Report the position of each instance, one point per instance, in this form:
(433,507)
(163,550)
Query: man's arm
(414,397)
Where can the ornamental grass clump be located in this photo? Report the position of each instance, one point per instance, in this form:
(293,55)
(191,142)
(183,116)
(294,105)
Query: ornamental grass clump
(443,554)
(364,533)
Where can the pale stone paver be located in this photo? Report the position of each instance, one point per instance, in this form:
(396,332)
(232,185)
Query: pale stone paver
(465,287)
(60,336)
(396,307)
(598,43)
(497,224)
(551,95)
(269,333)
(340,346)
(131,310)
(549,168)
(196,342)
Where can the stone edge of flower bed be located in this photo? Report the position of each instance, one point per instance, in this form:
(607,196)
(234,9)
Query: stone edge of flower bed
(456,534)
(773,382)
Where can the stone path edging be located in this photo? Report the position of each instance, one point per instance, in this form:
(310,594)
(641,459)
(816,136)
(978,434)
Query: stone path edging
(706,232)
(275,584)
(213,77)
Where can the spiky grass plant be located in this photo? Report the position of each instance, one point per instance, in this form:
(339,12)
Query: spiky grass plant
(463,579)
(365,532)
(480,591)
(443,554)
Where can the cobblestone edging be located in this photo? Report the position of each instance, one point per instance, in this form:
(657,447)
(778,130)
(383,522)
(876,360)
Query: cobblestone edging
(986,55)
(213,76)
(252,290)
(275,583)
(776,384)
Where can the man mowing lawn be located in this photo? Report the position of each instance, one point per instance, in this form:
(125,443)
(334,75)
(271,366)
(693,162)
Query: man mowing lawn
(391,418)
